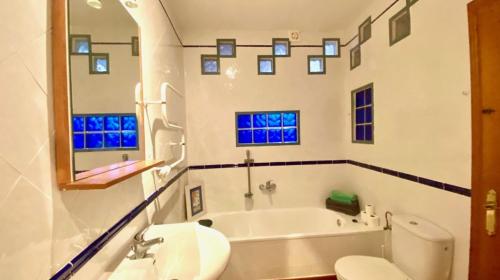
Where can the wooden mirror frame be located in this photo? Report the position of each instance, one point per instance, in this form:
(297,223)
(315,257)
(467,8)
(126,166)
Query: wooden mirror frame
(98,178)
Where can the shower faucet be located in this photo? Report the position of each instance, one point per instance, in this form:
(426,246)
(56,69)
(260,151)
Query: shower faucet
(269,186)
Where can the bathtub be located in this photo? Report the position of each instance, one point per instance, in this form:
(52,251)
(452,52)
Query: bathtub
(295,242)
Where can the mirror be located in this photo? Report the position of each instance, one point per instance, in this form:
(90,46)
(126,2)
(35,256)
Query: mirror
(104,72)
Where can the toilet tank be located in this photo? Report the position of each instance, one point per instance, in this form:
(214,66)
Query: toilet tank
(421,249)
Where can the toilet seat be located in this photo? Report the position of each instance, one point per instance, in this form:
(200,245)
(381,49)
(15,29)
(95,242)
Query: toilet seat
(367,268)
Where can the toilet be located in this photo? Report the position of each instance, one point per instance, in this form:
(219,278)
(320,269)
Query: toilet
(420,249)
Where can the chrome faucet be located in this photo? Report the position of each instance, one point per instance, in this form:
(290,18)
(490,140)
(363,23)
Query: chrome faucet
(269,186)
(140,246)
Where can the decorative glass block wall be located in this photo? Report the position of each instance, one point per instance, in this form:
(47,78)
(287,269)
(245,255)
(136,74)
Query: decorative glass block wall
(268,128)
(99,132)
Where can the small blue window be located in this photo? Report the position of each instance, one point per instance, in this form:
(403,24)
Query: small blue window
(99,63)
(362,114)
(267,128)
(331,47)
(80,44)
(265,64)
(105,132)
(210,65)
(316,64)
(281,47)
(226,47)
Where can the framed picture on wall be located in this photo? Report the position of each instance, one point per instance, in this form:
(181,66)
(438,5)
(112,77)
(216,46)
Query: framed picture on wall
(195,201)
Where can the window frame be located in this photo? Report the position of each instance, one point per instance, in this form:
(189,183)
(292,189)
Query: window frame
(104,149)
(211,57)
(338,46)
(75,36)
(226,42)
(297,113)
(353,115)
(392,23)
(309,58)
(266,57)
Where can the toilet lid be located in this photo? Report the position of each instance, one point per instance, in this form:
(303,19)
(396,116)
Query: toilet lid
(368,268)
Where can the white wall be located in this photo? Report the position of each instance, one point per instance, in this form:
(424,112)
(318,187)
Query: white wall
(42,227)
(422,116)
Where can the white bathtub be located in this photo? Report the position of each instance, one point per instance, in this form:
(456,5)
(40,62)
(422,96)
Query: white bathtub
(295,242)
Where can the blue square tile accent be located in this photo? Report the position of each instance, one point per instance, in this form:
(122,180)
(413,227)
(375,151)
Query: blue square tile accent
(259,120)
(94,140)
(245,136)
(112,140)
(275,136)
(129,123)
(129,139)
(78,124)
(360,133)
(94,123)
(78,141)
(260,136)
(289,119)
(244,121)
(274,120)
(290,135)
(112,123)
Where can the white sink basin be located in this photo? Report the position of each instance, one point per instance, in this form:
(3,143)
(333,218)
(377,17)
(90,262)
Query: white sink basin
(189,251)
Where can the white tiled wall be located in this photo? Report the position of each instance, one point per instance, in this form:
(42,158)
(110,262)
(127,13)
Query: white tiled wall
(42,228)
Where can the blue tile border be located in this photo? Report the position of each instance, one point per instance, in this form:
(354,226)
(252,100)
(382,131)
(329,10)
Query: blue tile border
(70,268)
(405,176)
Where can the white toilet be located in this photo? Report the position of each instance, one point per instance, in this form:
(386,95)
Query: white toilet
(420,250)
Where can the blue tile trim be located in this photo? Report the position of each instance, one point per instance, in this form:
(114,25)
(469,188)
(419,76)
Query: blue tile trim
(401,175)
(69,269)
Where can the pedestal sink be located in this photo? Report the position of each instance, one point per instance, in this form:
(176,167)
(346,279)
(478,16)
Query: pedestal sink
(189,251)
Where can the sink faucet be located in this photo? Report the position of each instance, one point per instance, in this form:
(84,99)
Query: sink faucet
(269,187)
(140,246)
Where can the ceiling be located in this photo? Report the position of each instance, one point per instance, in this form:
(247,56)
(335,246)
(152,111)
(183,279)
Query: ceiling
(112,14)
(302,15)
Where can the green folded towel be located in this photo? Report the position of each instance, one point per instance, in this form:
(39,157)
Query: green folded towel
(342,197)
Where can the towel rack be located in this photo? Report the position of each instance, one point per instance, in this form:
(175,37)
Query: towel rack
(162,102)
(165,170)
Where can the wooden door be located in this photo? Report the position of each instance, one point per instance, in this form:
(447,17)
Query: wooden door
(484,33)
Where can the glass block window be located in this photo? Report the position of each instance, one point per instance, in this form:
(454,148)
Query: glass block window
(99,63)
(226,47)
(365,30)
(101,132)
(281,47)
(355,57)
(399,26)
(80,44)
(265,64)
(267,128)
(331,47)
(210,64)
(135,46)
(316,64)
(362,115)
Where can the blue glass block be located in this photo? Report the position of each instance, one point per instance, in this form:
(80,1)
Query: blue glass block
(289,119)
(244,137)
(82,46)
(244,121)
(368,133)
(260,136)
(129,139)
(210,66)
(259,120)
(101,65)
(78,124)
(360,133)
(274,120)
(226,50)
(316,65)
(94,123)
(275,136)
(368,96)
(265,66)
(94,140)
(331,48)
(78,141)
(368,115)
(112,140)
(281,49)
(290,135)
(360,98)
(129,123)
(360,116)
(111,123)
